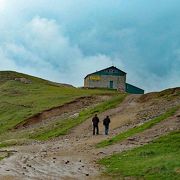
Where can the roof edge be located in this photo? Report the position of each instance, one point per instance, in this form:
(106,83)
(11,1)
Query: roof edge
(105,69)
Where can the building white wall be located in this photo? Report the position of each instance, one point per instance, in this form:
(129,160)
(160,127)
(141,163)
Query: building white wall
(104,82)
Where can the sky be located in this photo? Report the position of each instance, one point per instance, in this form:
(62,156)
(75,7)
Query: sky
(64,40)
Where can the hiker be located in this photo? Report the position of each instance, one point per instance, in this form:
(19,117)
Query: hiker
(106,122)
(95,122)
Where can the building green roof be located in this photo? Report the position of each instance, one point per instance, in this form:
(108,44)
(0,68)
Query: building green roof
(120,72)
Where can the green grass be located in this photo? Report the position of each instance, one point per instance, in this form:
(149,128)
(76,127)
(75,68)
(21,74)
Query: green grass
(138,129)
(157,160)
(18,101)
(64,126)
(5,155)
(5,144)
(1,158)
(14,142)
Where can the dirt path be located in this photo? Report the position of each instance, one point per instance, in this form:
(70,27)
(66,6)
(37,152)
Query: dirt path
(74,156)
(169,125)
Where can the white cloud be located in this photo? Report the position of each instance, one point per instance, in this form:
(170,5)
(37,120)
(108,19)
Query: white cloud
(2,5)
(46,52)
(6,63)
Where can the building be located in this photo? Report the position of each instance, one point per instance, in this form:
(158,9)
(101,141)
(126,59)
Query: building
(112,78)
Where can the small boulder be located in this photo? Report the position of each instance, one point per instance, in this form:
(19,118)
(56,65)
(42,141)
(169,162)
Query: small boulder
(23,80)
(66,162)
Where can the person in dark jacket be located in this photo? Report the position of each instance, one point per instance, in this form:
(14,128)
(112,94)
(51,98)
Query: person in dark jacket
(106,122)
(95,122)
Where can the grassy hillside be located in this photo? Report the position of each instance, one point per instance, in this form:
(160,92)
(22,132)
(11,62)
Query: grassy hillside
(157,160)
(20,100)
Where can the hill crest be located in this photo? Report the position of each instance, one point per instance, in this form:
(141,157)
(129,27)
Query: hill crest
(26,79)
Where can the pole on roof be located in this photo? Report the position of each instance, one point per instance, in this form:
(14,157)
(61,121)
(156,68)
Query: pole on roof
(112,63)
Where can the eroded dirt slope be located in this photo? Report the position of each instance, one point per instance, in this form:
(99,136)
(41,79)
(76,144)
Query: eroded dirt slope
(64,111)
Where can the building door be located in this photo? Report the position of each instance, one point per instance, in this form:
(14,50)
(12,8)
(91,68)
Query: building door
(111,83)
